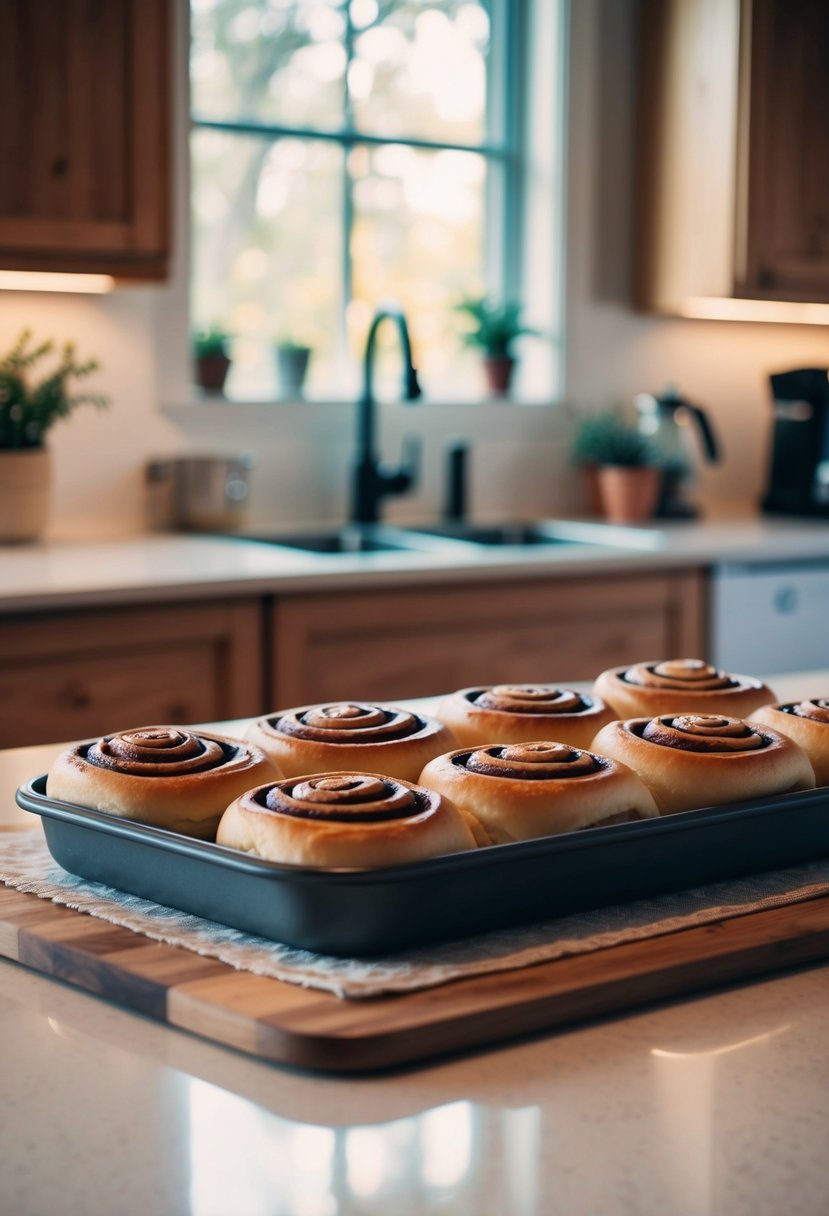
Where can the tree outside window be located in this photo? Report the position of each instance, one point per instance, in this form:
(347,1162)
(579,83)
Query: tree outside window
(344,152)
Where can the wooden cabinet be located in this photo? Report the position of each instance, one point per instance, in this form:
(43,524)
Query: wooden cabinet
(85,93)
(784,249)
(733,126)
(416,642)
(69,675)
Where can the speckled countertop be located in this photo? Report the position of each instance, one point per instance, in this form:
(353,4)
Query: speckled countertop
(136,569)
(716,1105)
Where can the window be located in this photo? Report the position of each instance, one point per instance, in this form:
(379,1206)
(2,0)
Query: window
(344,152)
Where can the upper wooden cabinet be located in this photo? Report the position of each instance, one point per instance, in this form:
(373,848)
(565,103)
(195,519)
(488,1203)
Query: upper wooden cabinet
(733,126)
(85,94)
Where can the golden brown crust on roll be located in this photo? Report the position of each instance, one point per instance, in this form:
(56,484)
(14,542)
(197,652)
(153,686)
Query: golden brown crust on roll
(679,686)
(520,713)
(168,776)
(344,819)
(521,791)
(695,760)
(352,736)
(807,722)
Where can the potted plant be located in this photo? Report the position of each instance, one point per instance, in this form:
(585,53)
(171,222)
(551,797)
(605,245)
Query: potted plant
(493,329)
(292,366)
(211,354)
(29,406)
(621,466)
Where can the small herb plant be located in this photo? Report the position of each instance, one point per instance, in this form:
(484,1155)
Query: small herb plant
(211,343)
(288,346)
(607,439)
(29,405)
(494,327)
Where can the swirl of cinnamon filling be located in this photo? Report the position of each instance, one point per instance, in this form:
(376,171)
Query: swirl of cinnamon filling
(530,761)
(529,699)
(704,733)
(689,675)
(348,722)
(817,710)
(159,752)
(170,777)
(343,798)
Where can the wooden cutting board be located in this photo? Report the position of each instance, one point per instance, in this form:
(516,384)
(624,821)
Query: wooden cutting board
(300,1026)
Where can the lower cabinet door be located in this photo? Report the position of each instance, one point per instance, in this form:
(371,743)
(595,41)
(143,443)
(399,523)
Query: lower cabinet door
(70,675)
(423,641)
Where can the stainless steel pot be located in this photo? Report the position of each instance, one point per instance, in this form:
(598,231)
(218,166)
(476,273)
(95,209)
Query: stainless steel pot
(203,493)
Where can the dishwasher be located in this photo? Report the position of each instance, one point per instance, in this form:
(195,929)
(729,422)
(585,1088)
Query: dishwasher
(768,618)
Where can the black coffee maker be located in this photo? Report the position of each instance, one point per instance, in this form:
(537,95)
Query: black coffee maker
(799,466)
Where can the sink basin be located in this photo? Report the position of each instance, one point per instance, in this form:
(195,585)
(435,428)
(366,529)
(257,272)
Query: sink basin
(498,534)
(352,539)
(570,532)
(464,536)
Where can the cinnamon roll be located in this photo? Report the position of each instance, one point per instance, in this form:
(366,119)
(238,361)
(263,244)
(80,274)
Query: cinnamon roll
(350,735)
(167,776)
(519,713)
(520,791)
(695,760)
(344,819)
(807,722)
(679,686)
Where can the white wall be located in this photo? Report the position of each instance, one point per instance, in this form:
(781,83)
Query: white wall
(518,453)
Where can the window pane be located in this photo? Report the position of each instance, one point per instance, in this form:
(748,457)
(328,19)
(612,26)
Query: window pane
(418,237)
(419,69)
(267,251)
(276,61)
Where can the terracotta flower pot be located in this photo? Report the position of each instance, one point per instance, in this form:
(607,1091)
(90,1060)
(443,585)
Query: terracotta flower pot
(592,492)
(499,369)
(211,372)
(629,495)
(25,492)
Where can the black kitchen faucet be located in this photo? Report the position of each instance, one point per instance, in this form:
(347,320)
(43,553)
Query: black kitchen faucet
(372,481)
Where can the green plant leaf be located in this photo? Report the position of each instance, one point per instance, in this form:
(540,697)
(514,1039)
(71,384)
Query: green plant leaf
(29,408)
(493,327)
(607,439)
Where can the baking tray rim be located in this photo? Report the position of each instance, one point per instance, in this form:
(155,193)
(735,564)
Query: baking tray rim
(31,796)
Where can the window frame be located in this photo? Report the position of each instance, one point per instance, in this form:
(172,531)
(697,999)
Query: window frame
(516,215)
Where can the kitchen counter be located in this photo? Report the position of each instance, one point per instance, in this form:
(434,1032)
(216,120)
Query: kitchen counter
(152,568)
(715,1104)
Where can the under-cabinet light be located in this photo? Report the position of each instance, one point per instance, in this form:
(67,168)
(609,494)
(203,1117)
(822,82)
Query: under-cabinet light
(785,312)
(36,280)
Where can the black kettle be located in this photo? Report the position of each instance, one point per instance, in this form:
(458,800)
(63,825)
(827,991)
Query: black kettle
(667,421)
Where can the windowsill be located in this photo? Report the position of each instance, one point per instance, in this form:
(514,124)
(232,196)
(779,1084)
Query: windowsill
(214,401)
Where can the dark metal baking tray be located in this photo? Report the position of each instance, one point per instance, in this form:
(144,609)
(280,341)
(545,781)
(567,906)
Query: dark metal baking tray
(359,913)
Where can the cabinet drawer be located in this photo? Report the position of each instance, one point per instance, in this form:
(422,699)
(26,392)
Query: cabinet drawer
(394,644)
(66,676)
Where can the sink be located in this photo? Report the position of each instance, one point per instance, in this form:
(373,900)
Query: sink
(498,534)
(571,532)
(365,538)
(463,536)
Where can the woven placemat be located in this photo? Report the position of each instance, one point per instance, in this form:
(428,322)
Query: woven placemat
(27,865)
